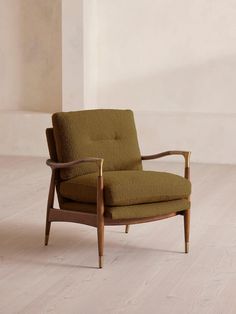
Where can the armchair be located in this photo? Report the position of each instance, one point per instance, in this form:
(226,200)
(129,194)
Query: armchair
(109,188)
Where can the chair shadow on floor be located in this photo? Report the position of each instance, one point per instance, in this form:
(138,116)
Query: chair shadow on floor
(24,244)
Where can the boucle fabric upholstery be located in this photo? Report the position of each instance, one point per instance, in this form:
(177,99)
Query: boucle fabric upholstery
(128,187)
(129,192)
(134,211)
(51,144)
(103,133)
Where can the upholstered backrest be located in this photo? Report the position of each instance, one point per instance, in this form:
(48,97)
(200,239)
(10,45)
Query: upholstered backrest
(103,133)
(51,144)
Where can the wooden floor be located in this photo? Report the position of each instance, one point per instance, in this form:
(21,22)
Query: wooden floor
(145,271)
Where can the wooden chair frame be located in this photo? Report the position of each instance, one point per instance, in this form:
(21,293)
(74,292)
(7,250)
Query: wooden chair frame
(98,219)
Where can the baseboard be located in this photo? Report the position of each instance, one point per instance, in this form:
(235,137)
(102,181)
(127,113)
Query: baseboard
(208,136)
(23,133)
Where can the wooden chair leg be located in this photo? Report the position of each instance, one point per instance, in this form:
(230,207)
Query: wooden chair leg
(186,229)
(100,233)
(126,228)
(100,217)
(47,232)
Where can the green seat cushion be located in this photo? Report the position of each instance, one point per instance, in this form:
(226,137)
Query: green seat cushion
(133,211)
(127,187)
(105,133)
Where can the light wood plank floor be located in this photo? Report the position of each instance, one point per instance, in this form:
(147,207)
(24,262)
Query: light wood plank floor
(145,271)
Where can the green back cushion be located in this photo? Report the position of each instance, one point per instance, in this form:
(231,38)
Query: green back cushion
(103,133)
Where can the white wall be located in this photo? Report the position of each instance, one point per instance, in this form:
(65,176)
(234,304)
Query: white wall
(174,64)
(30,55)
(41,69)
(22,133)
(72,55)
(30,73)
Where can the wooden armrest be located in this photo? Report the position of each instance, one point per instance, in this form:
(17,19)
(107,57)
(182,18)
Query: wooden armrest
(185,154)
(60,165)
(167,153)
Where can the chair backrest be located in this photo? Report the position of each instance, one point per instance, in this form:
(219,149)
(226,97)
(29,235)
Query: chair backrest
(103,133)
(51,144)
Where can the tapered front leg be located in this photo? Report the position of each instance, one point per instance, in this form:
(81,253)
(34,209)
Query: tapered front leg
(100,220)
(186,229)
(100,233)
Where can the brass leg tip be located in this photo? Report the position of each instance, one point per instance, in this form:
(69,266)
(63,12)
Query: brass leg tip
(100,261)
(127,229)
(186,247)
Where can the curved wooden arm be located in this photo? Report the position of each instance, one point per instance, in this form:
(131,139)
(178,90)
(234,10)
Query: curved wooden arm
(167,153)
(185,154)
(60,165)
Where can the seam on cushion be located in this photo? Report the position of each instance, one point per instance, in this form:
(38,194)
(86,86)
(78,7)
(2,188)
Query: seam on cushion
(113,212)
(130,205)
(175,198)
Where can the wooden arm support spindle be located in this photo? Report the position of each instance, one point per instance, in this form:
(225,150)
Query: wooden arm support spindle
(185,213)
(100,201)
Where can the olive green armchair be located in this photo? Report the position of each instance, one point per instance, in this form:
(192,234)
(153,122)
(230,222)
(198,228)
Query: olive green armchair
(98,176)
